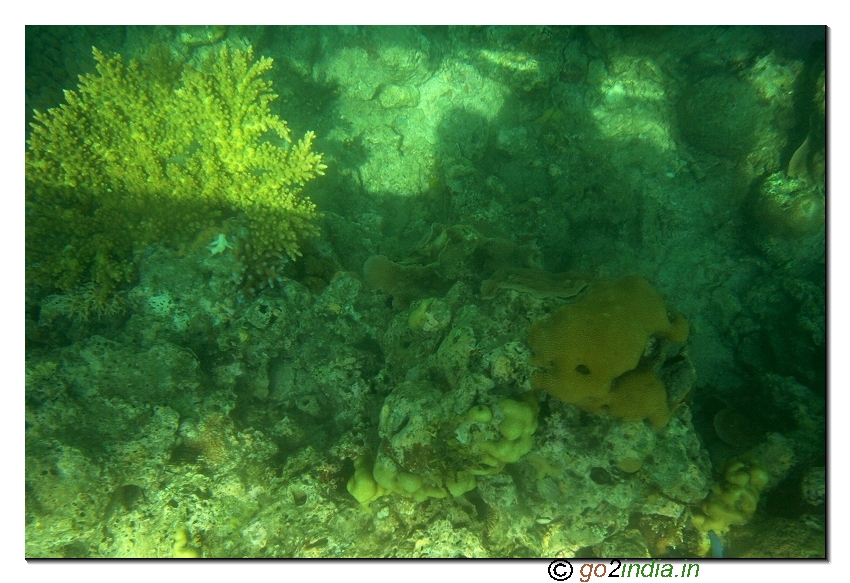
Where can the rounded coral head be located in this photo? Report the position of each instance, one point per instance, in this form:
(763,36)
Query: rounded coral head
(585,346)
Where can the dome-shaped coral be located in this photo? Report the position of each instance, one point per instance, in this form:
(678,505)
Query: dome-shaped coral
(639,394)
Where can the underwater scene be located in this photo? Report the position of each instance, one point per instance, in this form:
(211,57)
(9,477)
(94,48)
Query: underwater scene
(425,291)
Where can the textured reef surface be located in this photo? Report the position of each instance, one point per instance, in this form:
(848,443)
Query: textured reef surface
(509,292)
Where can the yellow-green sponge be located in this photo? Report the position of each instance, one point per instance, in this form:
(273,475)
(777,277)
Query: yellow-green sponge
(733,502)
(362,484)
(517,429)
(182,549)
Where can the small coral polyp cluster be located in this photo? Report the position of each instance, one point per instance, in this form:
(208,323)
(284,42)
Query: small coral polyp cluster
(598,352)
(258,269)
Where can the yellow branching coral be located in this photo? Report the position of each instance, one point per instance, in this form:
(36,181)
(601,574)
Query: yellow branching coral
(131,159)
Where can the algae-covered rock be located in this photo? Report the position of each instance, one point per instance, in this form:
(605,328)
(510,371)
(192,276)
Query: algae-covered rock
(720,114)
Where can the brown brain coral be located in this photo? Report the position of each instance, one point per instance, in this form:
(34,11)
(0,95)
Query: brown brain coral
(585,350)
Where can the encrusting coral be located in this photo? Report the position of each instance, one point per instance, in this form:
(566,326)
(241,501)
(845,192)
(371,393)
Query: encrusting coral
(592,353)
(131,159)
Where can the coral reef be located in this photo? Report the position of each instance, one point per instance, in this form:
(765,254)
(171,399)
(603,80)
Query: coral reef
(192,389)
